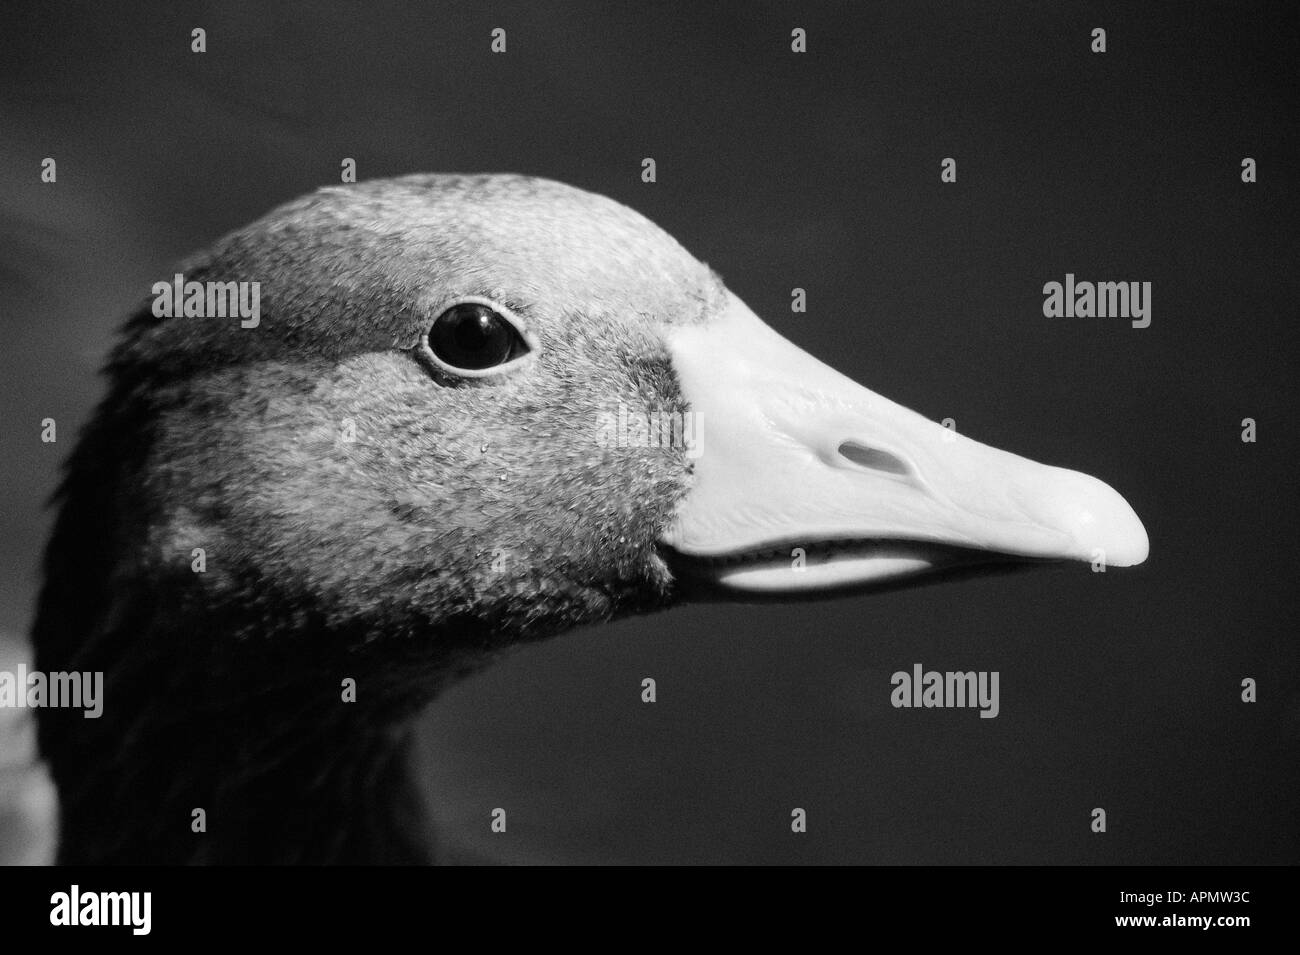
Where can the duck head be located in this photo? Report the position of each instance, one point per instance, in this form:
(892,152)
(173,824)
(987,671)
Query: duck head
(478,410)
(505,395)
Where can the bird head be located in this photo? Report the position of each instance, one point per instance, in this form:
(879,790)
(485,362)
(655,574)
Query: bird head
(504,400)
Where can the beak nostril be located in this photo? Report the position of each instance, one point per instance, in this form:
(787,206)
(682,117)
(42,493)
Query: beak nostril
(874,459)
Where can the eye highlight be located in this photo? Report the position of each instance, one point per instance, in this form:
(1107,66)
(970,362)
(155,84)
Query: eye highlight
(474,338)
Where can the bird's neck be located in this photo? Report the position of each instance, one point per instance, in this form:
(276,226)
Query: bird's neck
(288,747)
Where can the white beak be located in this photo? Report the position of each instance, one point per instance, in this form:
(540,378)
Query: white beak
(806,481)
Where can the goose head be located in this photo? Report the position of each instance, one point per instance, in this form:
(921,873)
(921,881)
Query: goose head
(473,411)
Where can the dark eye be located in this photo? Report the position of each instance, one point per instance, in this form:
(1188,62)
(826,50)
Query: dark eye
(472,336)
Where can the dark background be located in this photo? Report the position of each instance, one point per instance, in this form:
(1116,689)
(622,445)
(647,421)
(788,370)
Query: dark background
(821,171)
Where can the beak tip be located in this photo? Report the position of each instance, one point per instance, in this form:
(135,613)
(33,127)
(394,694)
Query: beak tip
(1130,549)
(1106,528)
